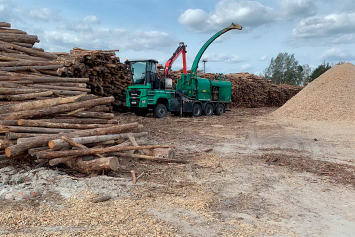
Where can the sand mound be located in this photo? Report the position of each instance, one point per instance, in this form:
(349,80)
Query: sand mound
(330,97)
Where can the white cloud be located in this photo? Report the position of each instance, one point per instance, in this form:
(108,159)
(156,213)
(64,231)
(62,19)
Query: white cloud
(301,8)
(329,29)
(44,14)
(336,54)
(343,5)
(9,12)
(84,25)
(194,18)
(263,58)
(246,67)
(105,38)
(250,14)
(85,33)
(91,19)
(221,57)
(326,26)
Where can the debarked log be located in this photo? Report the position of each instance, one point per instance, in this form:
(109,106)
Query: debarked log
(26,68)
(33,52)
(90,151)
(27,143)
(15,91)
(138,156)
(37,104)
(58,109)
(29,96)
(44,124)
(93,166)
(21,129)
(15,136)
(60,143)
(89,114)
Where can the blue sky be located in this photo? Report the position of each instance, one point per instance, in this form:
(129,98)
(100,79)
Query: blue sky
(312,30)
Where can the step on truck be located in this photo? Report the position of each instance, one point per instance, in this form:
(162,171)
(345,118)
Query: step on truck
(192,95)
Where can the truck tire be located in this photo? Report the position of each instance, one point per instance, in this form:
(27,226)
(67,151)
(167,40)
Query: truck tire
(208,110)
(142,113)
(160,111)
(219,110)
(196,110)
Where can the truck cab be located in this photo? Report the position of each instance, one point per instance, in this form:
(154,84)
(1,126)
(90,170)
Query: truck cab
(149,92)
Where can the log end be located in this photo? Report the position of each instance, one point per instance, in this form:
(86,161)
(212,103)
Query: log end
(114,164)
(164,153)
(8,152)
(20,122)
(53,162)
(51,144)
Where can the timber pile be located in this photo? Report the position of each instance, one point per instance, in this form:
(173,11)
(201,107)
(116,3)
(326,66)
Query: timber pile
(107,75)
(47,119)
(251,91)
(27,72)
(60,131)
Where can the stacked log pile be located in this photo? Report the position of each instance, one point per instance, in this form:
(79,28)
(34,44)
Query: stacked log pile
(50,120)
(107,76)
(27,72)
(251,91)
(50,132)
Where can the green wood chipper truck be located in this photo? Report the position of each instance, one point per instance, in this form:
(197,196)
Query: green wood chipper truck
(192,94)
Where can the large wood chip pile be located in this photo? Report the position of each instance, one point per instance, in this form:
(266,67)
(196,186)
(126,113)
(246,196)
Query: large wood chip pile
(330,97)
(107,75)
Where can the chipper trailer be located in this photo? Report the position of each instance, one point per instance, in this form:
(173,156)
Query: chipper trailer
(192,94)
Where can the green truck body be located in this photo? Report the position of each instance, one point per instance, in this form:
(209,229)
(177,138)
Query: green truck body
(192,94)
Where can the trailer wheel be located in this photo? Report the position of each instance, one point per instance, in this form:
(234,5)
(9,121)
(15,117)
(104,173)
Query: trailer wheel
(196,110)
(208,110)
(219,110)
(160,111)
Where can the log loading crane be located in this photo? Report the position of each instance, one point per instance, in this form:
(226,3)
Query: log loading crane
(192,95)
(180,50)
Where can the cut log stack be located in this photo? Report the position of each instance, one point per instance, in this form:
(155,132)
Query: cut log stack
(27,72)
(251,91)
(47,119)
(107,75)
(50,132)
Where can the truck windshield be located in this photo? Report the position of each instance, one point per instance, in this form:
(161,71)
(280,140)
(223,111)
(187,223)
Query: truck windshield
(138,71)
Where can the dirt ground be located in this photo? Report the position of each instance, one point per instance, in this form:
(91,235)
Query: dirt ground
(248,174)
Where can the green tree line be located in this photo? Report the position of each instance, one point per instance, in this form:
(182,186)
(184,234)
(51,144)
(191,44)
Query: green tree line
(285,69)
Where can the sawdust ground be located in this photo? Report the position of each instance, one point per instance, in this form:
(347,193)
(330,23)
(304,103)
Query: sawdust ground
(250,184)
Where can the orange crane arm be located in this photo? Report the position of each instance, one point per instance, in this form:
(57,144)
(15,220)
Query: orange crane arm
(180,50)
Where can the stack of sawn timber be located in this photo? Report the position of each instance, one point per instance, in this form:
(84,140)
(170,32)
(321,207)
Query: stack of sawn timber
(107,75)
(251,91)
(27,72)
